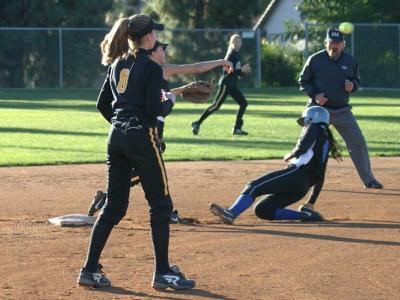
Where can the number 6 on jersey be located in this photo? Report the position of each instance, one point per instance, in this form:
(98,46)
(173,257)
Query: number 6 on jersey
(123,80)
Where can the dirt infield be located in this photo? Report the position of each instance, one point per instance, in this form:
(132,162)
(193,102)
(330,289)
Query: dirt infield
(354,256)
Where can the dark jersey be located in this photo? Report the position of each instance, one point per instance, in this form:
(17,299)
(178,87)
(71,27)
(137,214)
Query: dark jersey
(324,75)
(230,79)
(311,154)
(134,87)
(165,85)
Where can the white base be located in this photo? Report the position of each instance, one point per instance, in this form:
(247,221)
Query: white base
(73,220)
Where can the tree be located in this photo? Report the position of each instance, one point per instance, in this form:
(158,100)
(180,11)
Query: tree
(356,11)
(206,13)
(376,47)
(189,45)
(30,58)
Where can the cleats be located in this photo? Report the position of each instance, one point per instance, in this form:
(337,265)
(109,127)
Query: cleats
(175,218)
(224,214)
(97,203)
(195,128)
(374,184)
(174,279)
(93,279)
(310,215)
(237,131)
(306,206)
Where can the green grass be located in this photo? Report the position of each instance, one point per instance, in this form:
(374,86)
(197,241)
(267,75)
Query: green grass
(62,126)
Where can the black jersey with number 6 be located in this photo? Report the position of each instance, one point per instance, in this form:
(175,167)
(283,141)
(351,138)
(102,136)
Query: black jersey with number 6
(135,84)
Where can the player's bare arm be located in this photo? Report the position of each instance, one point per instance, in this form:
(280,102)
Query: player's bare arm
(196,68)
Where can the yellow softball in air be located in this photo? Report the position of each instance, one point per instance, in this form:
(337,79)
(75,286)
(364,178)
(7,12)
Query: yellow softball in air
(346,27)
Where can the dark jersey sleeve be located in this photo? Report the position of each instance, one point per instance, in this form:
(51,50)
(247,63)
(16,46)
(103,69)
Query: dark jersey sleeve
(105,99)
(154,106)
(232,57)
(306,140)
(305,80)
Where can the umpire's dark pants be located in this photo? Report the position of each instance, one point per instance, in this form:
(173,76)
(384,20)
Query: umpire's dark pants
(282,188)
(132,145)
(223,91)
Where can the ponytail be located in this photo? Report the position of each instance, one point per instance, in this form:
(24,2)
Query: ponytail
(115,43)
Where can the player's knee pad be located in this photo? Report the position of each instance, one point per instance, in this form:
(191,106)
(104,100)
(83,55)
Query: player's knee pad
(263,211)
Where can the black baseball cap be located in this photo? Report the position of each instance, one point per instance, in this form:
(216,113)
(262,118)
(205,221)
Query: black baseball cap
(141,25)
(156,45)
(333,34)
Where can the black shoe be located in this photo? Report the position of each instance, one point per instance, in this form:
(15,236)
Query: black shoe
(175,218)
(174,279)
(93,279)
(135,181)
(223,213)
(237,131)
(374,184)
(195,128)
(97,203)
(309,215)
(306,206)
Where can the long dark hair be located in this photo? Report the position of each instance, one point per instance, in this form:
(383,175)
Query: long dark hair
(119,42)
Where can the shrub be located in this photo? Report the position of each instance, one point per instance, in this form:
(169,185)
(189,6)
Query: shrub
(280,65)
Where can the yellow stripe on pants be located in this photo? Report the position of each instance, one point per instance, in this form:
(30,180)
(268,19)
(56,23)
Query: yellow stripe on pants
(160,162)
(218,99)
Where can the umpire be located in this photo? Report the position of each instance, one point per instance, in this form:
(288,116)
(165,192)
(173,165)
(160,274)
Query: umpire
(328,77)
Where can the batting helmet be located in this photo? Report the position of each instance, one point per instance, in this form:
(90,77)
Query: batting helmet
(314,114)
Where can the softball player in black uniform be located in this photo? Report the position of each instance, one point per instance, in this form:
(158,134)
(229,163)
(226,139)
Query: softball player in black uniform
(158,54)
(307,165)
(134,82)
(227,85)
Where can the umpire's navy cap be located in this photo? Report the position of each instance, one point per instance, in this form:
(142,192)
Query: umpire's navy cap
(333,34)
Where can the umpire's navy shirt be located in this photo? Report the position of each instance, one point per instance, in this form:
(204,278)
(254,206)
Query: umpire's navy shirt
(322,74)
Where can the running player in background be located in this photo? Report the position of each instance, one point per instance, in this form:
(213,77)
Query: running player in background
(134,82)
(227,85)
(306,169)
(158,55)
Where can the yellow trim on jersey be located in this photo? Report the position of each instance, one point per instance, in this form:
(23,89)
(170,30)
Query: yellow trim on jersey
(160,163)
(218,99)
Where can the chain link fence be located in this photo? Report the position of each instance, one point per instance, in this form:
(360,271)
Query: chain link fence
(70,57)
(376,47)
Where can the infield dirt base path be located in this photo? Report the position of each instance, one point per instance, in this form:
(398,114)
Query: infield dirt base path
(356,255)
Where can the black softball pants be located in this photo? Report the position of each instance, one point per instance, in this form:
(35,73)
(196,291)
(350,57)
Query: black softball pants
(281,188)
(223,91)
(132,146)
